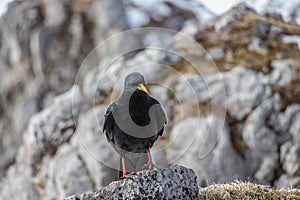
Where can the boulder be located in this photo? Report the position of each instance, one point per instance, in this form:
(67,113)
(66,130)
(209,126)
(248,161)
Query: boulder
(175,182)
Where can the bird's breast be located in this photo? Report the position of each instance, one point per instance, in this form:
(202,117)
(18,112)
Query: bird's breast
(139,105)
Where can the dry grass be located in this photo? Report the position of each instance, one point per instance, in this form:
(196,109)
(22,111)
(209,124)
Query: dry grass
(243,190)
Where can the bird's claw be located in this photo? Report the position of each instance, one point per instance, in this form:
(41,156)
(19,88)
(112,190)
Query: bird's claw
(149,166)
(126,175)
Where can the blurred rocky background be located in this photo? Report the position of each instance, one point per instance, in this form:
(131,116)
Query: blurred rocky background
(233,106)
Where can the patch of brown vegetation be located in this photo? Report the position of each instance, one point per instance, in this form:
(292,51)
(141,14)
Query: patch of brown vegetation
(183,67)
(244,190)
(242,32)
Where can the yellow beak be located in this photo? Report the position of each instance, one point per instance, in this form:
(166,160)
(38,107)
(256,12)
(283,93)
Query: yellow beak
(142,88)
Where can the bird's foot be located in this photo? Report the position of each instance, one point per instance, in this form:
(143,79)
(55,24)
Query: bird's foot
(126,175)
(149,166)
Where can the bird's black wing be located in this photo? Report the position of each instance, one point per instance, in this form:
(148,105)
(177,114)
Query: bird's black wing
(161,116)
(109,122)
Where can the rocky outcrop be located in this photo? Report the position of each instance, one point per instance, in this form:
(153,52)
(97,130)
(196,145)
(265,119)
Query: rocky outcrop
(40,152)
(174,182)
(178,182)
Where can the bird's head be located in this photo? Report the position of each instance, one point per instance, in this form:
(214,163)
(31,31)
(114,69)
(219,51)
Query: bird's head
(135,81)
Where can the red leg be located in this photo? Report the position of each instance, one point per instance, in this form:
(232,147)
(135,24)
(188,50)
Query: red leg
(125,173)
(149,164)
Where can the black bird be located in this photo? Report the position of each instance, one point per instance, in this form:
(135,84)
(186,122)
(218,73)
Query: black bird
(133,123)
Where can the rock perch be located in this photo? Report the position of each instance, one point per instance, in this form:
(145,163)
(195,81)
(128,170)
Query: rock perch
(175,182)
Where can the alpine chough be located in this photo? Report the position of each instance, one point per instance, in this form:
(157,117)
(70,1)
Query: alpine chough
(133,123)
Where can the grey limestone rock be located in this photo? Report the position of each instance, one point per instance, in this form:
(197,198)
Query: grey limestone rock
(284,150)
(11,132)
(159,156)
(245,89)
(261,154)
(285,181)
(16,27)
(282,72)
(55,14)
(26,105)
(249,97)
(287,10)
(109,76)
(216,53)
(203,143)
(65,174)
(224,24)
(175,182)
(291,162)
(51,127)
(266,172)
(19,185)
(35,165)
(288,122)
(161,94)
(166,13)
(100,159)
